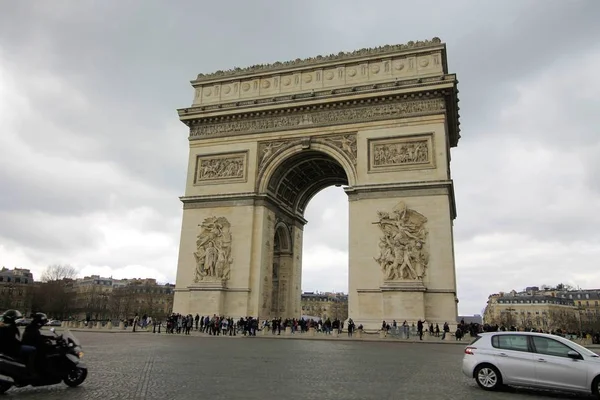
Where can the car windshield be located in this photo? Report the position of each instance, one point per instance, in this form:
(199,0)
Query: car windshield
(581,349)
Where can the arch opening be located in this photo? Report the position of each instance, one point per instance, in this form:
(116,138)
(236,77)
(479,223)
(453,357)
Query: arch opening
(293,182)
(297,179)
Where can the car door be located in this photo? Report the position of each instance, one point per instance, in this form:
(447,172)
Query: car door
(514,358)
(554,368)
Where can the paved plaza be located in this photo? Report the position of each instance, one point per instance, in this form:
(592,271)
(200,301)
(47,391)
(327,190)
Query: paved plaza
(146,366)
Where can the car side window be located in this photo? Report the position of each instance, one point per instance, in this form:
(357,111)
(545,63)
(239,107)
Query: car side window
(550,347)
(510,342)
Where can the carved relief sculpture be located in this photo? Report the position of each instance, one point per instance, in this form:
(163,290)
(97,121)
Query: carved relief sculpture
(266,150)
(220,168)
(402,247)
(390,154)
(346,143)
(213,250)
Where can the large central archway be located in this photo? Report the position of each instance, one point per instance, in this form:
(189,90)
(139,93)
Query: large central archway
(294,180)
(265,139)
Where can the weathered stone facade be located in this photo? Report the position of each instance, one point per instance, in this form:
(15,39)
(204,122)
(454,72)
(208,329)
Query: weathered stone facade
(265,139)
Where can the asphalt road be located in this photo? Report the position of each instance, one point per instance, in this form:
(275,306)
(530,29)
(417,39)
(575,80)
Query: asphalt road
(146,366)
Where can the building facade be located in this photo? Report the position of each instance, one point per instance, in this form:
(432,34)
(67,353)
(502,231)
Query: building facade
(16,288)
(325,305)
(546,309)
(99,298)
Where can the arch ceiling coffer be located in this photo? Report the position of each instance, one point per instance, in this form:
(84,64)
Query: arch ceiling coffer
(302,176)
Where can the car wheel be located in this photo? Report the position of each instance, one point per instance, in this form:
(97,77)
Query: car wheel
(75,377)
(4,386)
(488,377)
(596,386)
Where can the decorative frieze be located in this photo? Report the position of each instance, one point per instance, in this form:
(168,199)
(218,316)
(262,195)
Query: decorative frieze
(221,167)
(399,153)
(333,115)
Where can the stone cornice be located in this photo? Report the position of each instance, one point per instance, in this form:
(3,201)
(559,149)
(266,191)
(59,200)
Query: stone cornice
(239,199)
(424,188)
(381,51)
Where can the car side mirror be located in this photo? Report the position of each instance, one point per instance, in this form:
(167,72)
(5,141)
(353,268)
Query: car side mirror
(52,330)
(574,355)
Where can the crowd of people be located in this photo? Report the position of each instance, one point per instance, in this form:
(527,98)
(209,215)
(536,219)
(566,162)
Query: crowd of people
(248,326)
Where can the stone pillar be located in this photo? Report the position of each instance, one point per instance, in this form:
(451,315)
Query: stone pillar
(334,333)
(312,331)
(382,334)
(358,333)
(288,331)
(121,325)
(244,230)
(429,291)
(109,325)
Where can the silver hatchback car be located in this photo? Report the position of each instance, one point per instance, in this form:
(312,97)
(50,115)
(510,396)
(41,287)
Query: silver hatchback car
(533,360)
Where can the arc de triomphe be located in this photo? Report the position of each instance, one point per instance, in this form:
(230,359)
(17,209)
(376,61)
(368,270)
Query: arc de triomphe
(265,139)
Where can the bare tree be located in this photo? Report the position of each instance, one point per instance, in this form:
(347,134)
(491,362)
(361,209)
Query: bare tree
(565,320)
(58,272)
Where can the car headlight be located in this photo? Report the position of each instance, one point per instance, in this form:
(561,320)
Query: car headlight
(80,354)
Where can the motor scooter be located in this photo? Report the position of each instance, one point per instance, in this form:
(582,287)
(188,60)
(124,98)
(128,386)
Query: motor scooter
(61,363)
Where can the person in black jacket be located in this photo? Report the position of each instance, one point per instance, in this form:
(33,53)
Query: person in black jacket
(32,337)
(10,344)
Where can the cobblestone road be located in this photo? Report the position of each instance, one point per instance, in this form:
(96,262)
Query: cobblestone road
(145,366)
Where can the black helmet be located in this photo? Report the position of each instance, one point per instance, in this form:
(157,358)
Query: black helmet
(39,318)
(10,316)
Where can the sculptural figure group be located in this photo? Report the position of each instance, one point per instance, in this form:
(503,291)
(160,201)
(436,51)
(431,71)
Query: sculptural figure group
(213,250)
(402,253)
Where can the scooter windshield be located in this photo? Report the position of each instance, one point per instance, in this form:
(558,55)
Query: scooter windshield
(70,338)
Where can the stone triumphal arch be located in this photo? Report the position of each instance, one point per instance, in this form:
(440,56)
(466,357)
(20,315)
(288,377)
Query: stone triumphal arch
(265,139)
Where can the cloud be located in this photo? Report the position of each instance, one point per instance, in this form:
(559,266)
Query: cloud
(93,157)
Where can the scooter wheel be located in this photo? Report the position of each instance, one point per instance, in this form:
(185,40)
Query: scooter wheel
(75,377)
(4,386)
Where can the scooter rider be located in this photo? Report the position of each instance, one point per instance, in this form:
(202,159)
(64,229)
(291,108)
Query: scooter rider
(10,344)
(32,337)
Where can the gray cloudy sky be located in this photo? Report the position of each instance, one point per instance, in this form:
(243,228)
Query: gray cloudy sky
(93,157)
